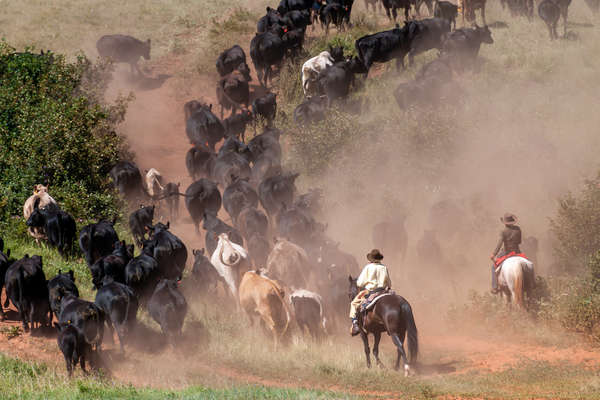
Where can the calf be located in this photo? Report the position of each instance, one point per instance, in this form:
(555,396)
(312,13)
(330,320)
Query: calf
(113,265)
(171,195)
(73,346)
(39,192)
(446,10)
(142,274)
(265,107)
(60,286)
(233,91)
(383,46)
(311,69)
(26,288)
(201,196)
(202,127)
(59,226)
(231,60)
(124,49)
(168,308)
(199,161)
(237,196)
(308,311)
(97,240)
(168,250)
(275,191)
(120,306)
(127,179)
(203,272)
(215,227)
(138,221)
(236,124)
(266,49)
(311,110)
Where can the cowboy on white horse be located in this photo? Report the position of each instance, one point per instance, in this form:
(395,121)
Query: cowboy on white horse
(510,239)
(373,276)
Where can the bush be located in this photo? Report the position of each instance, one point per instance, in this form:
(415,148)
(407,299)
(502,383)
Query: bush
(576,227)
(56,129)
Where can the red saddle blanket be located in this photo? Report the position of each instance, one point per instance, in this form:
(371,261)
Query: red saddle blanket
(500,260)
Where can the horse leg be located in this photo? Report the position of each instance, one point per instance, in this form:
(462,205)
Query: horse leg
(376,349)
(401,353)
(365,340)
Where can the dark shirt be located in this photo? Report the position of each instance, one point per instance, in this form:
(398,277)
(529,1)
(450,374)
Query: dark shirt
(510,238)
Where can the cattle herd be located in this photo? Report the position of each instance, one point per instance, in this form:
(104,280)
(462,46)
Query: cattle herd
(264,247)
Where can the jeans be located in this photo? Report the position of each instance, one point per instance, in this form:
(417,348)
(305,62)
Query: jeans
(494,278)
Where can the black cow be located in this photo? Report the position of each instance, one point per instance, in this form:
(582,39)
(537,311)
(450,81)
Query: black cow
(266,49)
(267,143)
(58,287)
(124,49)
(275,191)
(296,225)
(308,312)
(127,178)
(384,46)
(142,273)
(293,40)
(234,145)
(231,60)
(202,127)
(310,202)
(5,262)
(138,221)
(286,6)
(297,19)
(230,165)
(259,249)
(550,11)
(120,306)
(311,110)
(214,227)
(168,250)
(463,45)
(425,35)
(233,91)
(27,289)
(59,226)
(236,124)
(168,308)
(446,10)
(272,17)
(264,167)
(73,346)
(202,195)
(87,319)
(112,265)
(97,240)
(265,107)
(332,13)
(335,81)
(393,6)
(252,221)
(200,161)
(237,196)
(203,272)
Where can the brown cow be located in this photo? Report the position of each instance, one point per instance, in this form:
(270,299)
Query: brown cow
(41,192)
(263,297)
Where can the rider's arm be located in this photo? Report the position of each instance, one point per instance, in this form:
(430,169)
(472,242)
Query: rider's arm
(387,282)
(361,280)
(499,245)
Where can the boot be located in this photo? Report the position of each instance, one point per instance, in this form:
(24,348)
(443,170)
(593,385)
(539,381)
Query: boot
(355,329)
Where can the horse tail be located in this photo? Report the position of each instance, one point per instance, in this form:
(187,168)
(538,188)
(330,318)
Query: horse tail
(519,287)
(411,332)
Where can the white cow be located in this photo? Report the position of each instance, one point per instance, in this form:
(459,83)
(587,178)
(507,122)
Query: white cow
(312,68)
(230,260)
(154,182)
(39,192)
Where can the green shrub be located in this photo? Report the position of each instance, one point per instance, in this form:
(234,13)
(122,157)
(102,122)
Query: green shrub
(56,129)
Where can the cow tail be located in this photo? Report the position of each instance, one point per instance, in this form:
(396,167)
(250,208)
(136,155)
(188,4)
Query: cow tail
(91,244)
(411,332)
(287,313)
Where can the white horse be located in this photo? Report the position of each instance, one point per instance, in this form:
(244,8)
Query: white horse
(516,277)
(229,259)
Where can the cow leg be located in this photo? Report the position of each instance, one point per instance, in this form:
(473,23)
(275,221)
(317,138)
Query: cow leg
(387,12)
(376,349)
(483,14)
(365,340)
(406,10)
(394,13)
(565,15)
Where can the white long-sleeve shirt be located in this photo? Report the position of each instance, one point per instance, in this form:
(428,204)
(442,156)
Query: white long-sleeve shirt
(374,276)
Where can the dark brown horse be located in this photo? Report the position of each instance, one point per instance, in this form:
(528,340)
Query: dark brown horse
(391,314)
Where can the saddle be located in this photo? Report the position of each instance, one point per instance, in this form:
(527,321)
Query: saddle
(373,297)
(498,262)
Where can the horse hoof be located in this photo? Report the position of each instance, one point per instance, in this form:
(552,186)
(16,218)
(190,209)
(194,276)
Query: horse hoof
(406,371)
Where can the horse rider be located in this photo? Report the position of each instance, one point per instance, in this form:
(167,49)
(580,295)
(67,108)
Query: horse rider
(374,276)
(510,239)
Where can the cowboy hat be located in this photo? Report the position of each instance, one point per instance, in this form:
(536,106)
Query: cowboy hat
(509,219)
(374,256)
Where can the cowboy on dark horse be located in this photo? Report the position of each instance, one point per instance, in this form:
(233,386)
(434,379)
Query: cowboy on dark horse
(373,277)
(510,239)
